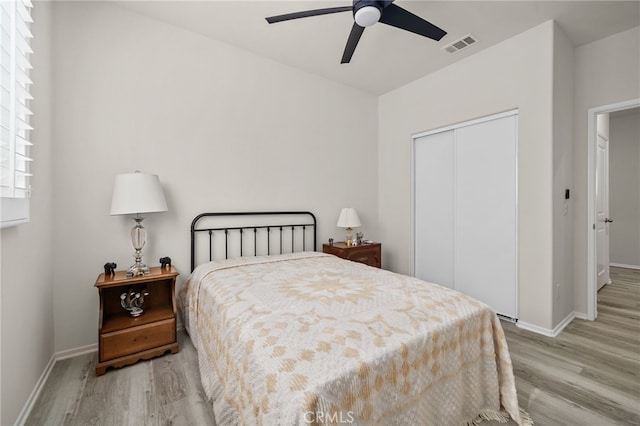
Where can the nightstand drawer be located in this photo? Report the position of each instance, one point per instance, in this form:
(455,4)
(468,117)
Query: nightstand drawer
(137,339)
(367,255)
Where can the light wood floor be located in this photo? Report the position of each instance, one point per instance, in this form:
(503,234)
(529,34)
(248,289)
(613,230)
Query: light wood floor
(589,376)
(590,373)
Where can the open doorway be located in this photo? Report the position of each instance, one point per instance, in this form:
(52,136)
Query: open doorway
(624,188)
(600,217)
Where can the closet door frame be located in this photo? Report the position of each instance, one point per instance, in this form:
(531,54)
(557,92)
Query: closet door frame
(453,127)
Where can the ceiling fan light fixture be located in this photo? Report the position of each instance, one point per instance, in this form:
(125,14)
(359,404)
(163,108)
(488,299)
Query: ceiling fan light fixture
(367,16)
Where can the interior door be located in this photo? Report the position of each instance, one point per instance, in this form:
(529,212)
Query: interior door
(486,210)
(433,212)
(602,212)
(465,210)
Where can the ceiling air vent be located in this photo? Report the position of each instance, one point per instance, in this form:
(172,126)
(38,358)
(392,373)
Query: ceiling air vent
(460,44)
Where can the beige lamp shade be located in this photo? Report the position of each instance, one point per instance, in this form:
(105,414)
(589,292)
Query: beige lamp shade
(137,192)
(348,218)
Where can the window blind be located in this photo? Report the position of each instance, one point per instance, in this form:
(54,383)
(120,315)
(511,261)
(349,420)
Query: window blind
(15,114)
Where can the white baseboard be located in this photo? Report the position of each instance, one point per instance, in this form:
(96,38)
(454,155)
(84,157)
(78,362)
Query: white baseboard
(565,322)
(70,353)
(550,332)
(58,356)
(622,265)
(28,406)
(535,328)
(580,315)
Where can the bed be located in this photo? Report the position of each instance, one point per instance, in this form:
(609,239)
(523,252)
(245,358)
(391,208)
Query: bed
(297,337)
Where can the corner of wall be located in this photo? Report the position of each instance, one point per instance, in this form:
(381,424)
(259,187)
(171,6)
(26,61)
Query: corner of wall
(562,116)
(27,250)
(451,96)
(596,84)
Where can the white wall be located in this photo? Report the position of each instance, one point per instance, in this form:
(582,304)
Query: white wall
(624,188)
(228,130)
(516,73)
(606,72)
(26,280)
(562,176)
(223,128)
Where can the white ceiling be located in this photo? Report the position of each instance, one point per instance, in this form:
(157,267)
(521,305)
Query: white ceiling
(386,58)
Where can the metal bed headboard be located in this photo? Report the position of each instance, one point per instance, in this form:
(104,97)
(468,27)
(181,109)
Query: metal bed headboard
(253,229)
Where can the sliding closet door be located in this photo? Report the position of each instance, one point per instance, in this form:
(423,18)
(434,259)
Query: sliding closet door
(485,236)
(465,210)
(433,200)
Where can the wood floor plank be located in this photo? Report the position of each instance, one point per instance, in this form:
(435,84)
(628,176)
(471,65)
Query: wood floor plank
(587,376)
(193,408)
(590,373)
(61,394)
(590,395)
(548,409)
(611,334)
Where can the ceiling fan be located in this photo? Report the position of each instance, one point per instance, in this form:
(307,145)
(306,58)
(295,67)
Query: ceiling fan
(367,13)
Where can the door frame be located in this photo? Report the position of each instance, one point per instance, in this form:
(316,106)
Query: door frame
(592,272)
(604,257)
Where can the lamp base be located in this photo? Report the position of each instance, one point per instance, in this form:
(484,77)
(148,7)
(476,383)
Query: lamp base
(137,269)
(138,239)
(348,239)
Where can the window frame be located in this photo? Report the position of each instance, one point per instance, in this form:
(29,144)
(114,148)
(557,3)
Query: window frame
(15,99)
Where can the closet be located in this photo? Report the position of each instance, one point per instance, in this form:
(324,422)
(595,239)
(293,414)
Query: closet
(465,209)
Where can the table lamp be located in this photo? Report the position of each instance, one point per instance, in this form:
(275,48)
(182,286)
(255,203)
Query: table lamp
(348,219)
(135,194)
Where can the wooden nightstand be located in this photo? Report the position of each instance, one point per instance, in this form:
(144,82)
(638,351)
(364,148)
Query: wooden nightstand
(124,340)
(369,254)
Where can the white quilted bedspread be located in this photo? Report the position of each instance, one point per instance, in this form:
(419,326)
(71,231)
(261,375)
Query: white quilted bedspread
(308,338)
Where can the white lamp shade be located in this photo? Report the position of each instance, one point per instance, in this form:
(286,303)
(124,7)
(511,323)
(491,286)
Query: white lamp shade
(137,192)
(348,218)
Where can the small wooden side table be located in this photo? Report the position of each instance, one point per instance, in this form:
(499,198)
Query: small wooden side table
(123,339)
(369,254)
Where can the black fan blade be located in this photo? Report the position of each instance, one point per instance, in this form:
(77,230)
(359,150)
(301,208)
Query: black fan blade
(308,13)
(352,42)
(401,18)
